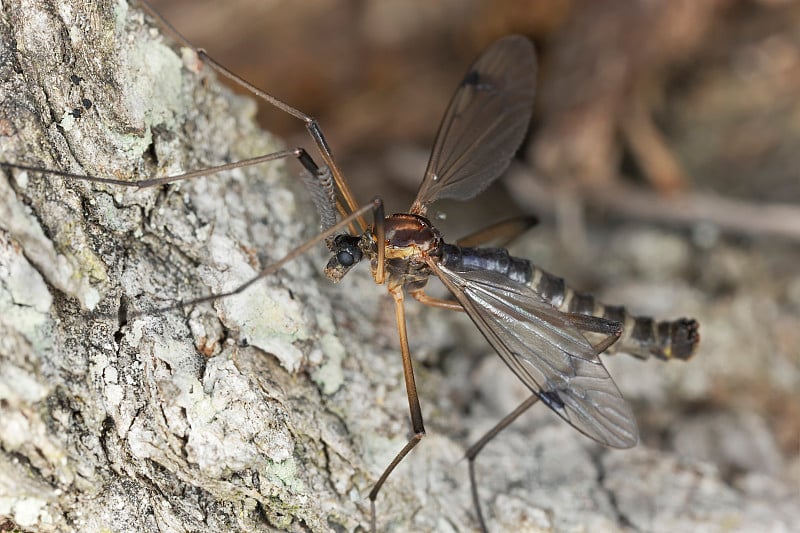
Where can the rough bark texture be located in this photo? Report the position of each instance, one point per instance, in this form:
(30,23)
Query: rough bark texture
(274,410)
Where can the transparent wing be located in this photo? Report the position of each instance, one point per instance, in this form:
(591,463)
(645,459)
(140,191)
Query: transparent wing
(547,352)
(483,125)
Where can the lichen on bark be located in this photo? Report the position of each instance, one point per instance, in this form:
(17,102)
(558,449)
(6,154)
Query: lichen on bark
(129,419)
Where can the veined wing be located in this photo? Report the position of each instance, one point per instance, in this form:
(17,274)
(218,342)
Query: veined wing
(547,352)
(483,125)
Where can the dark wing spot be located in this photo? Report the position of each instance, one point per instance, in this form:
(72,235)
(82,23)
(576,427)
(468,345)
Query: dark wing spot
(473,77)
(552,399)
(477,82)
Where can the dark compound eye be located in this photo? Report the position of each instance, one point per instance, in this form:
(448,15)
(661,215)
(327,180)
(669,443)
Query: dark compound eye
(345,258)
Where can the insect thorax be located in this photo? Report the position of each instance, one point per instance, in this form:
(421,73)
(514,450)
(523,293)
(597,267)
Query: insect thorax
(410,240)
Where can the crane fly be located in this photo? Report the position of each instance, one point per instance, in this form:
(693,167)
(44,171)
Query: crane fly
(539,327)
(531,318)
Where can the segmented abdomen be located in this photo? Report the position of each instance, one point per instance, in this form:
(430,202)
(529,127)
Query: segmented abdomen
(641,336)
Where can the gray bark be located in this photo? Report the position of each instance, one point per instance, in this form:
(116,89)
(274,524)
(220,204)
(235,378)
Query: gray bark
(273,410)
(166,420)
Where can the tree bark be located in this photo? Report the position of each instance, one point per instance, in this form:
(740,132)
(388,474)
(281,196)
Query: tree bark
(273,410)
(180,419)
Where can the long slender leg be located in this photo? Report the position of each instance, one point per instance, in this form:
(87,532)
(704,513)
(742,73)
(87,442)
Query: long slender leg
(344,208)
(311,124)
(376,206)
(612,331)
(476,448)
(595,324)
(500,233)
(299,153)
(413,400)
(423,298)
(316,180)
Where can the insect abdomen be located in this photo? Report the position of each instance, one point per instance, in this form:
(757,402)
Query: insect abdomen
(492,259)
(641,336)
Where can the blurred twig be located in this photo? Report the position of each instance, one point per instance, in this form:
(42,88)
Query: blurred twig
(685,209)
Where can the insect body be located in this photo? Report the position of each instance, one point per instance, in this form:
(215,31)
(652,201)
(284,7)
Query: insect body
(535,323)
(539,327)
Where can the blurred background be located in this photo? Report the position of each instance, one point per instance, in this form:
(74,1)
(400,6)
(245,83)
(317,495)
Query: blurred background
(663,160)
(676,93)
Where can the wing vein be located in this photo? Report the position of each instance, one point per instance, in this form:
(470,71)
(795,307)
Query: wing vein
(546,352)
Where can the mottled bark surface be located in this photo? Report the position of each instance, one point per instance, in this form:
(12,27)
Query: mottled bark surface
(273,410)
(176,420)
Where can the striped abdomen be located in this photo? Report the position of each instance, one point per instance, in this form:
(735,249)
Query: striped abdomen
(641,336)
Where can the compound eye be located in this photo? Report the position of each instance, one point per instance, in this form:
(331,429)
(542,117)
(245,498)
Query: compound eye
(345,258)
